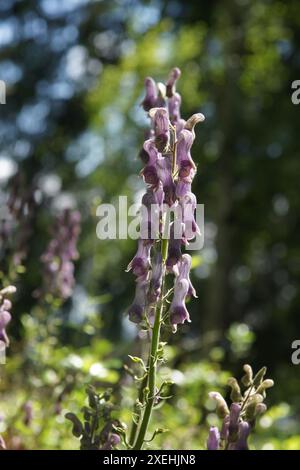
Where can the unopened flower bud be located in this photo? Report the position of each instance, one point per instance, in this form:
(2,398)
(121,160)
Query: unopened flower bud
(251,406)
(268,383)
(235,394)
(170,85)
(137,308)
(221,405)
(8,290)
(140,263)
(260,409)
(150,99)
(193,120)
(248,377)
(178,310)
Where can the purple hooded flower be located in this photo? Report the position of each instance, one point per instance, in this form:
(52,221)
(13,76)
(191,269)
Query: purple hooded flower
(160,119)
(243,433)
(150,172)
(151,213)
(188,204)
(150,175)
(174,251)
(140,263)
(213,439)
(184,273)
(164,168)
(151,150)
(234,416)
(174,104)
(174,101)
(171,82)
(225,428)
(137,308)
(150,100)
(178,310)
(184,160)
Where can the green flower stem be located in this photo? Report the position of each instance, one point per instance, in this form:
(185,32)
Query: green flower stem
(135,423)
(153,357)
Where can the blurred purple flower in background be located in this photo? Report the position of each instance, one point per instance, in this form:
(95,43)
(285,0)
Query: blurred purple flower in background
(59,257)
(5,316)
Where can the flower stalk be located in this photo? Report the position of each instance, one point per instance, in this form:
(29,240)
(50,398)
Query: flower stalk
(153,358)
(168,173)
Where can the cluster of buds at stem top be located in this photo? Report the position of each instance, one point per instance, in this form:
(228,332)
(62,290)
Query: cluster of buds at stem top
(60,254)
(5,316)
(168,173)
(239,420)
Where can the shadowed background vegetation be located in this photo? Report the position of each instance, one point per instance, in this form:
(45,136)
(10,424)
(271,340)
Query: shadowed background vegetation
(70,134)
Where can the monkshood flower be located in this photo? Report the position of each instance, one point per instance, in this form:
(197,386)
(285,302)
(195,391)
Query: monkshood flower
(213,439)
(164,171)
(184,273)
(247,405)
(154,97)
(188,204)
(185,162)
(150,100)
(60,254)
(150,155)
(137,309)
(168,173)
(174,101)
(171,82)
(174,111)
(5,316)
(140,263)
(178,310)
(151,213)
(161,126)
(174,251)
